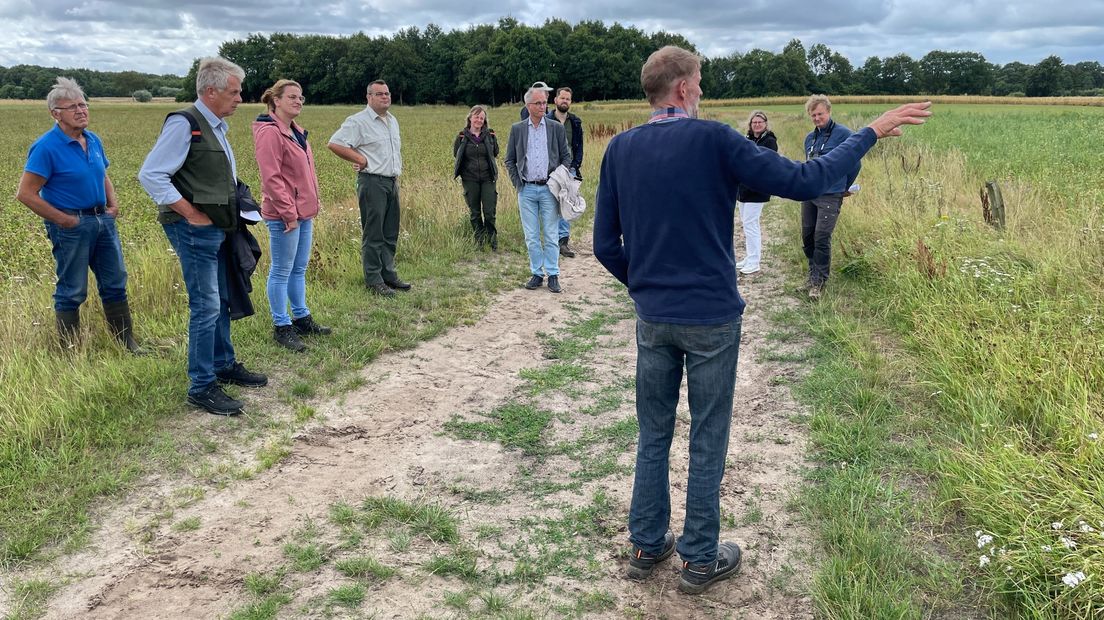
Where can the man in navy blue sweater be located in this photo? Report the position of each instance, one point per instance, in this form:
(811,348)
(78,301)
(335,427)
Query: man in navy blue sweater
(663,226)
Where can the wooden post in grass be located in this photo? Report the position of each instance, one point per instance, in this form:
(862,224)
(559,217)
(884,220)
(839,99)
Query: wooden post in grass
(992,205)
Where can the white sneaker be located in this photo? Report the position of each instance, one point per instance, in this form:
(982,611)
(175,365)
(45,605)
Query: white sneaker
(750,269)
(740,264)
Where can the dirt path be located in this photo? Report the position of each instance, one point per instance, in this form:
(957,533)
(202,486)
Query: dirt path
(544,531)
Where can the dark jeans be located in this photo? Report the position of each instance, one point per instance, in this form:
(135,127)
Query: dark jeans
(379,226)
(482,200)
(203,263)
(818,220)
(709,353)
(92,243)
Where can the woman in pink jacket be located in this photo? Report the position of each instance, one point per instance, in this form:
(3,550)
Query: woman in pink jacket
(290,187)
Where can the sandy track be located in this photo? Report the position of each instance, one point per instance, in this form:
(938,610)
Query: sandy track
(386,439)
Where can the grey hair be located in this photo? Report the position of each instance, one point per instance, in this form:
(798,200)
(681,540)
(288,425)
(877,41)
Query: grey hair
(528,98)
(817,100)
(215,72)
(64,88)
(758,114)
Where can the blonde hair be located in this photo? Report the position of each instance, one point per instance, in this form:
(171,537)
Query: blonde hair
(277,90)
(663,68)
(758,114)
(486,119)
(817,100)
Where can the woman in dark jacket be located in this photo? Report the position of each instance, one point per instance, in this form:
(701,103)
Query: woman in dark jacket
(475,150)
(750,201)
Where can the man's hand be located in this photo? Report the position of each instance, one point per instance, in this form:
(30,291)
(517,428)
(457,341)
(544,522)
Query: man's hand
(113,211)
(199,219)
(69,220)
(889,123)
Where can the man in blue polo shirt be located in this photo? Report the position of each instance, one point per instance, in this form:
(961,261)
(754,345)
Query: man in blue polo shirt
(663,226)
(65,183)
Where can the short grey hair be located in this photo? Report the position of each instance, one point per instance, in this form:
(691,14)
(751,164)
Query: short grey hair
(215,72)
(528,98)
(64,88)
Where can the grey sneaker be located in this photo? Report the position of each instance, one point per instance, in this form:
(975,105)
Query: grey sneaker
(815,291)
(642,563)
(696,578)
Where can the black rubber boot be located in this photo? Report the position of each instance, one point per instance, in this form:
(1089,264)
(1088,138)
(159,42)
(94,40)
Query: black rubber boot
(565,249)
(117,314)
(68,324)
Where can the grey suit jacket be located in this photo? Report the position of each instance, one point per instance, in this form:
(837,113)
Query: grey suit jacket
(516,148)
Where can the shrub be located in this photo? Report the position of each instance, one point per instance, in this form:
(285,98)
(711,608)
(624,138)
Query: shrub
(142,96)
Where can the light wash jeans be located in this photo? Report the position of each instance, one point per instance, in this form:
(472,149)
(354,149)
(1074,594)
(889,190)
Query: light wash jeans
(753,236)
(287,276)
(540,217)
(709,354)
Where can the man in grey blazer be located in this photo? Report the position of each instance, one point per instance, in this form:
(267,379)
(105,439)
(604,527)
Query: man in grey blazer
(536,147)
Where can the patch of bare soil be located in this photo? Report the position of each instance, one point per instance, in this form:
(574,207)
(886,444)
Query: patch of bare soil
(388,439)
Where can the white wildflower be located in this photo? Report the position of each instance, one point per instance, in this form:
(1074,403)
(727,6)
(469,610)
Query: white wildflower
(1068,542)
(1093,436)
(1084,527)
(1057,525)
(982,561)
(983,539)
(1047,547)
(1072,579)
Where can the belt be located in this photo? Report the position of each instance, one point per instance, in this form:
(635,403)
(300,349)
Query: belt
(100,210)
(540,182)
(382,176)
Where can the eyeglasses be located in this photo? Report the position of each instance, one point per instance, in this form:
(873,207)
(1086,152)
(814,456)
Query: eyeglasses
(72,108)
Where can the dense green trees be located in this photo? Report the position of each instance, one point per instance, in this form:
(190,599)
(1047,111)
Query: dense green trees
(493,63)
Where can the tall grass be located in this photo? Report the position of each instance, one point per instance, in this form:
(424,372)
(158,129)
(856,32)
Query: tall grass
(1005,333)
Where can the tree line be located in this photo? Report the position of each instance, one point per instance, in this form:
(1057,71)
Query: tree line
(495,63)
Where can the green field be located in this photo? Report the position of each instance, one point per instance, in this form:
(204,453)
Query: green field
(997,343)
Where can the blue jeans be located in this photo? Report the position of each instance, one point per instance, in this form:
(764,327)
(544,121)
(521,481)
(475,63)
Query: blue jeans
(287,276)
(92,243)
(540,217)
(709,353)
(203,263)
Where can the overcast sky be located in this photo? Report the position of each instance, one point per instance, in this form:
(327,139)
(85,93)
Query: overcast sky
(164,36)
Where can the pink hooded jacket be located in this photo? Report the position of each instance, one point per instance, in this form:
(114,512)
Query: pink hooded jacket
(289,182)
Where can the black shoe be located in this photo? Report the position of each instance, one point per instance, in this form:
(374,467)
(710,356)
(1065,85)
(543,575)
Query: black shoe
(565,249)
(216,402)
(642,563)
(286,336)
(534,283)
(554,284)
(398,285)
(696,578)
(238,375)
(381,289)
(305,326)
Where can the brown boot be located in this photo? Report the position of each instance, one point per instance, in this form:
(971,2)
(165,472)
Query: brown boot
(121,326)
(68,324)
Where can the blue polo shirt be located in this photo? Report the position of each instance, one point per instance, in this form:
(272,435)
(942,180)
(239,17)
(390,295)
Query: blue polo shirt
(74,177)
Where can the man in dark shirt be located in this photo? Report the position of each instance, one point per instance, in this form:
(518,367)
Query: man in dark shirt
(663,226)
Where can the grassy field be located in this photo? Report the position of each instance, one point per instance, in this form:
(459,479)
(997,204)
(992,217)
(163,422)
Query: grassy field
(963,448)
